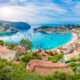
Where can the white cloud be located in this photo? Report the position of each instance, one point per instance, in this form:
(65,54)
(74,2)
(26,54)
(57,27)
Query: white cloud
(21,0)
(35,13)
(18,0)
(67,1)
(76,9)
(38,12)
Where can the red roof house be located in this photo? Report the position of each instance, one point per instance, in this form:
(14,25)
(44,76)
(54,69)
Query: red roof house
(47,67)
(7,53)
(20,49)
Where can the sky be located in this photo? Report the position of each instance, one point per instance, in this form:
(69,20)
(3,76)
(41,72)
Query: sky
(41,11)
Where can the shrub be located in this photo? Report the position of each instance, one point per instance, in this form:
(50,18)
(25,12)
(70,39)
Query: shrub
(1,42)
(53,59)
(12,45)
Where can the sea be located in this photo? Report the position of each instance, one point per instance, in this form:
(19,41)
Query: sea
(45,41)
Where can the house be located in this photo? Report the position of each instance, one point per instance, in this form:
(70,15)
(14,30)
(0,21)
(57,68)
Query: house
(7,53)
(74,54)
(55,51)
(47,67)
(19,49)
(64,50)
(68,57)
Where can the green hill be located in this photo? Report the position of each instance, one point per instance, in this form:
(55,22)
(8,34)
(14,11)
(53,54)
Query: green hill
(6,28)
(18,25)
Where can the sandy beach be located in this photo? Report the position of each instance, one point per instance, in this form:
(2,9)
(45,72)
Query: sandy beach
(74,39)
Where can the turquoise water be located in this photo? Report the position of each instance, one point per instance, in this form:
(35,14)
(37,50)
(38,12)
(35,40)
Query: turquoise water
(45,41)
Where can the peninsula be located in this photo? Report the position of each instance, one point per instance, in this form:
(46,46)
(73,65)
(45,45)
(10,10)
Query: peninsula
(7,28)
(12,27)
(60,29)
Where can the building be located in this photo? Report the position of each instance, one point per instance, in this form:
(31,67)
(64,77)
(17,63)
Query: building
(68,57)
(7,53)
(74,54)
(47,67)
(20,49)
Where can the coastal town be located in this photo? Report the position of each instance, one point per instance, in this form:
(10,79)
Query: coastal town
(7,28)
(39,39)
(44,62)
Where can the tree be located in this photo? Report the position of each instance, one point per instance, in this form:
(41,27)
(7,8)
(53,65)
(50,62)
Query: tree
(53,59)
(28,57)
(11,71)
(57,57)
(50,53)
(26,43)
(1,42)
(12,45)
(59,75)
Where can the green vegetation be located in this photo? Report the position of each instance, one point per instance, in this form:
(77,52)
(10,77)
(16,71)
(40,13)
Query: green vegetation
(7,27)
(1,42)
(4,28)
(17,25)
(45,27)
(77,26)
(56,57)
(74,63)
(53,59)
(20,54)
(50,53)
(28,57)
(11,71)
(58,75)
(12,45)
(20,25)
(59,28)
(26,43)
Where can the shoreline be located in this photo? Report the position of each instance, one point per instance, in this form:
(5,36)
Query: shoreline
(75,37)
(73,40)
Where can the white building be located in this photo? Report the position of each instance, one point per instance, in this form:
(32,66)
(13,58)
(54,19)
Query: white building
(7,53)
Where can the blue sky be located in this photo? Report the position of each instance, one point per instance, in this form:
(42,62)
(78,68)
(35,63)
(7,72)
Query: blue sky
(41,11)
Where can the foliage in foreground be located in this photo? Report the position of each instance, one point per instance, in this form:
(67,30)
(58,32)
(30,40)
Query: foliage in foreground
(56,57)
(12,45)
(12,71)
(28,57)
(26,43)
(1,42)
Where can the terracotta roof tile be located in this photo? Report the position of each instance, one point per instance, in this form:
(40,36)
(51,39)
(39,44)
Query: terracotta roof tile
(20,48)
(47,67)
(4,50)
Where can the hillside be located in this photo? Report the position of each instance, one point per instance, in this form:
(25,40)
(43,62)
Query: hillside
(20,25)
(7,28)
(17,25)
(49,29)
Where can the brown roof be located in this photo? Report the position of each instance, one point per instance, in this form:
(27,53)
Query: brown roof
(20,48)
(72,55)
(46,67)
(69,56)
(46,63)
(4,50)
(61,48)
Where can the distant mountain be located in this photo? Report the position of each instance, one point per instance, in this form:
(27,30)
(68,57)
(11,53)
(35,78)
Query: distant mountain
(18,25)
(63,28)
(7,28)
